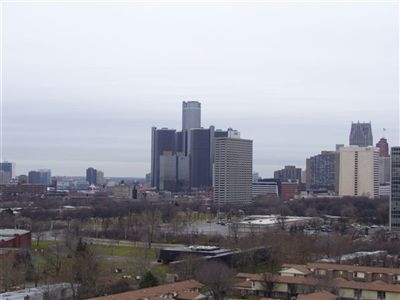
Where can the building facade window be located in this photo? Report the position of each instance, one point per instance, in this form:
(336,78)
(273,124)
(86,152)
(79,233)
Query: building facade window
(381,295)
(357,293)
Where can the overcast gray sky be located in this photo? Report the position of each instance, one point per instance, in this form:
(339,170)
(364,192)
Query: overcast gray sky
(84,83)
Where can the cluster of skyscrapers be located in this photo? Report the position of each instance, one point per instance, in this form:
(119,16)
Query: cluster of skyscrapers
(359,169)
(7,173)
(198,158)
(94,176)
(41,176)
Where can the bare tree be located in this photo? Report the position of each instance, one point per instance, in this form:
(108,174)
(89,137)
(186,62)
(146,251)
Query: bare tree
(85,269)
(217,278)
(13,270)
(189,263)
(281,221)
(151,220)
(268,283)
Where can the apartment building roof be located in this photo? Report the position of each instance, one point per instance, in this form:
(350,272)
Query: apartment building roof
(370,286)
(12,232)
(353,268)
(377,285)
(302,268)
(317,296)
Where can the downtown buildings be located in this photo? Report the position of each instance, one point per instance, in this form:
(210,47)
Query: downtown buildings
(94,176)
(355,170)
(186,160)
(41,176)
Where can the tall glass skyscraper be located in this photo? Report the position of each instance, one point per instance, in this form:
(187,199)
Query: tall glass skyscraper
(162,140)
(91,176)
(201,157)
(394,214)
(191,115)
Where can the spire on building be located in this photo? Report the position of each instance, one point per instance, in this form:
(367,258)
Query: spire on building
(360,134)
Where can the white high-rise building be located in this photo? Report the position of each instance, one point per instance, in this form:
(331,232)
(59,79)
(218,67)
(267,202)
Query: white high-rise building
(100,177)
(233,169)
(359,171)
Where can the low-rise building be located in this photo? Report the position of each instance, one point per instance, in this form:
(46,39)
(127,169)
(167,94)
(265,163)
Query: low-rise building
(122,191)
(264,188)
(344,281)
(289,190)
(15,238)
(22,189)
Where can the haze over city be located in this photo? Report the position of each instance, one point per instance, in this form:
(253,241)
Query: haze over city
(84,83)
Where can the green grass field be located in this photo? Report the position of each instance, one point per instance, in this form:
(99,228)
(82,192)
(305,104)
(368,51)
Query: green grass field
(42,244)
(124,251)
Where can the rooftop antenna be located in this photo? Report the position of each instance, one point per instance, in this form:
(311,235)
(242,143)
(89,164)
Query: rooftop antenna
(383,132)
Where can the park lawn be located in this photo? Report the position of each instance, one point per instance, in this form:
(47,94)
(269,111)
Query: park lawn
(124,251)
(130,269)
(43,244)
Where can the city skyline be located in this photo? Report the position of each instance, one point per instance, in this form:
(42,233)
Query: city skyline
(86,94)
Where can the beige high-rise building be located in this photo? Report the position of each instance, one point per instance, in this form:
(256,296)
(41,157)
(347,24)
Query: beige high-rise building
(100,177)
(359,171)
(233,170)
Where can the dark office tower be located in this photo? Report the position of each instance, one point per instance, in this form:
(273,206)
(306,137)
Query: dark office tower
(394,213)
(383,147)
(289,173)
(183,176)
(162,140)
(91,176)
(167,173)
(34,177)
(201,150)
(179,142)
(361,134)
(191,115)
(384,161)
(321,171)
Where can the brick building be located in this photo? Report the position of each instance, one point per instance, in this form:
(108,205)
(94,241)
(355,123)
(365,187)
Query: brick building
(15,238)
